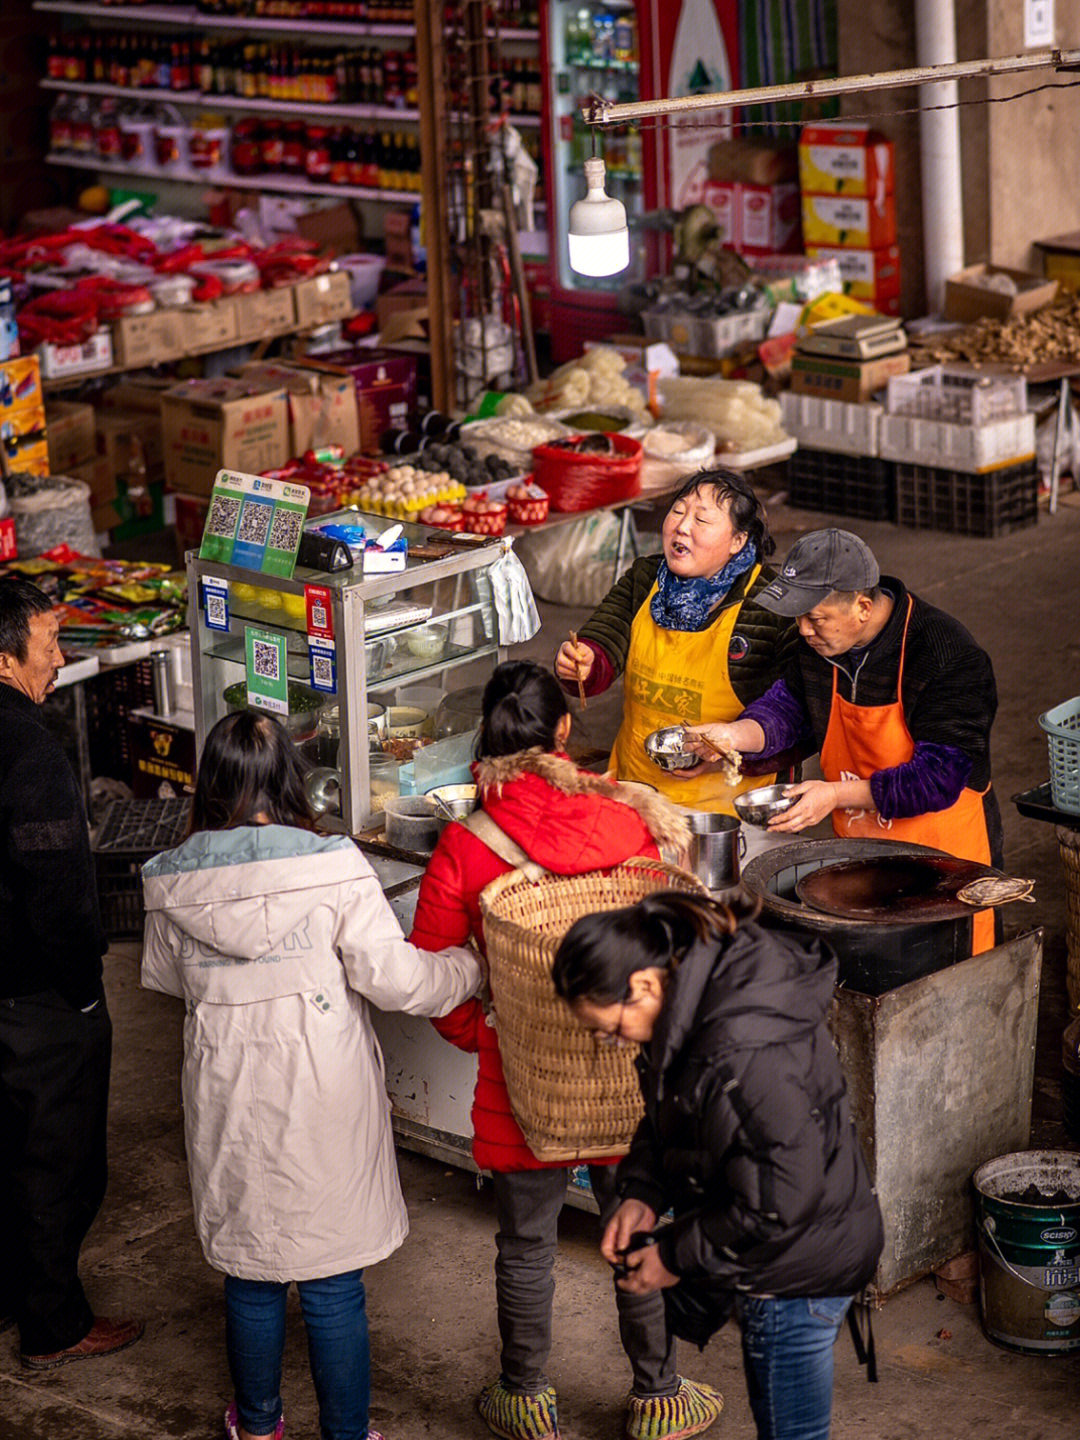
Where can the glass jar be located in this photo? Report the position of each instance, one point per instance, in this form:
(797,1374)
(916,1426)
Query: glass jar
(247,147)
(384,780)
(317,153)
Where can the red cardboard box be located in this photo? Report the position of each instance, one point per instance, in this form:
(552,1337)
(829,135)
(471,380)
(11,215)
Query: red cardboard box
(385,383)
(845,160)
(755,219)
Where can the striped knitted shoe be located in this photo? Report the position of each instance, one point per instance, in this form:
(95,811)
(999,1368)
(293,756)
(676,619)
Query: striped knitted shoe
(693,1408)
(519,1417)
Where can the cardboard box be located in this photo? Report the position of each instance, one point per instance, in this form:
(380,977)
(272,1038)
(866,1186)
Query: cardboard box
(1061,259)
(332,227)
(845,160)
(61,362)
(118,433)
(209,327)
(385,385)
(397,240)
(104,517)
(69,431)
(870,275)
(162,755)
(8,548)
(849,222)
(191,513)
(408,297)
(29,454)
(101,478)
(20,388)
(322,407)
(755,219)
(137,392)
(850,380)
(323,298)
(265,312)
(753,161)
(149,339)
(209,425)
(965,300)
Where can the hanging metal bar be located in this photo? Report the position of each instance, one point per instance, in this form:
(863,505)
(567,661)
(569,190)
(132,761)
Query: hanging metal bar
(599,111)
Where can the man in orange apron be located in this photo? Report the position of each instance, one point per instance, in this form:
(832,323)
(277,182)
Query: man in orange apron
(897,698)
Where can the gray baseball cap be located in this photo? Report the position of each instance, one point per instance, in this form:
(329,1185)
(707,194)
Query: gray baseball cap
(816,565)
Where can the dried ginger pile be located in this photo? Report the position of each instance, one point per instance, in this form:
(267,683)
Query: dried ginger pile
(1052,333)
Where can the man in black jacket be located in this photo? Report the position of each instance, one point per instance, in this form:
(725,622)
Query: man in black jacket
(895,696)
(55,1032)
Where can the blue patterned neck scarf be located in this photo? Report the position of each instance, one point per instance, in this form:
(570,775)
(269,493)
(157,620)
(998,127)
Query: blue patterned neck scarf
(689,604)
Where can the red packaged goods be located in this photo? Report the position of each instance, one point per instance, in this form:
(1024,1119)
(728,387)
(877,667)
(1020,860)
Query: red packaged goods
(527,504)
(482,516)
(577,478)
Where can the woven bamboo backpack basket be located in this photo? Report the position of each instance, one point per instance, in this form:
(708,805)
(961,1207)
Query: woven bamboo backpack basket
(574,1100)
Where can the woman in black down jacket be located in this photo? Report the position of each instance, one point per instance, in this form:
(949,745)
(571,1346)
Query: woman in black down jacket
(747,1137)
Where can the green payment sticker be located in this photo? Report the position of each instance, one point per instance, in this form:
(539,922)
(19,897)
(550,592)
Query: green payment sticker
(267,675)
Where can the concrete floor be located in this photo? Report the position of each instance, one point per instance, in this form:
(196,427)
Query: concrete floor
(433,1325)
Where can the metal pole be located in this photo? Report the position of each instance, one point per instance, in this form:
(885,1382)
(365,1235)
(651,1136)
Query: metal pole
(603,112)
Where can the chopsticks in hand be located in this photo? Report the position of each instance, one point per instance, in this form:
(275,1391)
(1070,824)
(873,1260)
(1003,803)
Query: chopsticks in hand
(580,681)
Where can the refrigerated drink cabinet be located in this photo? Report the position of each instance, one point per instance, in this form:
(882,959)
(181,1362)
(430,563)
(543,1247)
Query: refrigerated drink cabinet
(626,50)
(331,653)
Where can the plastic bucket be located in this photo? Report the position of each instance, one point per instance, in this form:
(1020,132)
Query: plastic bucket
(1028,1217)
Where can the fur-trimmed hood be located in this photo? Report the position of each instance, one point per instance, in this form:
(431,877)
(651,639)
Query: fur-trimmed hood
(510,783)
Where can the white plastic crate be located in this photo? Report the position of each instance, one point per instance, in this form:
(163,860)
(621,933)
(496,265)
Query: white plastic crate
(708,336)
(969,448)
(960,396)
(837,425)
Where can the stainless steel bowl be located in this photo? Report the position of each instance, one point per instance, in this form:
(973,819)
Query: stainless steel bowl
(757,807)
(665,748)
(455,801)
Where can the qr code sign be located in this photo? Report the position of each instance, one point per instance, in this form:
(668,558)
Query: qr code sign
(319,617)
(322,672)
(217,613)
(222,518)
(255,523)
(266,660)
(285,531)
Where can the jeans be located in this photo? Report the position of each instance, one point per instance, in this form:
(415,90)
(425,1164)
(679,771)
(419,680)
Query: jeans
(335,1317)
(54,1095)
(527,1206)
(788,1358)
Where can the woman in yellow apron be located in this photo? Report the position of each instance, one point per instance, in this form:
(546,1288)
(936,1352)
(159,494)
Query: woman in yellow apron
(887,645)
(686,628)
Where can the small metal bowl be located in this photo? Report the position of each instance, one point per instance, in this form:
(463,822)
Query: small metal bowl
(757,807)
(665,748)
(458,800)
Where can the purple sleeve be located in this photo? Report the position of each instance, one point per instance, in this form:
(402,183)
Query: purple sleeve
(931,780)
(784,721)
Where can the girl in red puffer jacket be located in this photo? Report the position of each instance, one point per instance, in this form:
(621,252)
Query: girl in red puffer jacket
(570,822)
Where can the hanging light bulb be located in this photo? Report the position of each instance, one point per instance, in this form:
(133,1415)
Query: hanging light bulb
(599,238)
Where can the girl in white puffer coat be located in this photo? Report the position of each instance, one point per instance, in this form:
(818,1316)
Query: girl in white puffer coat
(278,940)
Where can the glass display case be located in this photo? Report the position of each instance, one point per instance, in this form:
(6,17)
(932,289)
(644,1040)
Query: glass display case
(352,663)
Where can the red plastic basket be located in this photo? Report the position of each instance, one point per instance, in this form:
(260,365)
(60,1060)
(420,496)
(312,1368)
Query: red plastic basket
(583,482)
